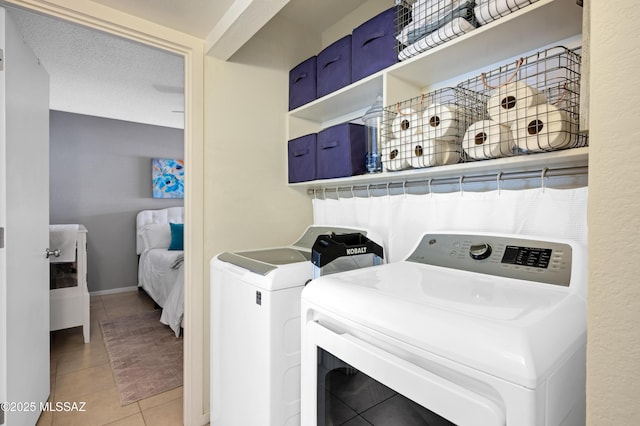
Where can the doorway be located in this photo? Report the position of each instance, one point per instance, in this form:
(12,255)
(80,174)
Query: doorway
(191,50)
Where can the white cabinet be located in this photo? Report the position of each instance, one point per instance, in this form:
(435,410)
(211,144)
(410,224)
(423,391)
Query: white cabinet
(537,25)
(69,295)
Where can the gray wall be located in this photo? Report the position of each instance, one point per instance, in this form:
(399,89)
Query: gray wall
(101,177)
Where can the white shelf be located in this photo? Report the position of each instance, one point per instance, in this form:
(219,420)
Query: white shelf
(539,24)
(536,25)
(575,157)
(356,96)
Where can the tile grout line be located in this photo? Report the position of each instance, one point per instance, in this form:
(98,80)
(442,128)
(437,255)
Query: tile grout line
(140,410)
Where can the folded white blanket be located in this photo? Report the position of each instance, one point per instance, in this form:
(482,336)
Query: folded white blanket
(427,12)
(417,29)
(63,238)
(489,10)
(449,31)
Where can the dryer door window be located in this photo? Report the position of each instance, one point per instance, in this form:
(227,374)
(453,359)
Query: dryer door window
(348,396)
(346,380)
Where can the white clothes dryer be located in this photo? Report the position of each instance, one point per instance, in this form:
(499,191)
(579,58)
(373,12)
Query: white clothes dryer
(255,331)
(469,330)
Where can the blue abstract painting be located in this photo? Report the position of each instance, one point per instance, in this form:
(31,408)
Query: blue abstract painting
(168,178)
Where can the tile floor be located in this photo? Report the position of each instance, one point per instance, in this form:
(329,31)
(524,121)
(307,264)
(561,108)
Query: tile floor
(81,373)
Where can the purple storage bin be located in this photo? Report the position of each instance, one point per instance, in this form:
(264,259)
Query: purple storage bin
(341,151)
(302,158)
(334,66)
(302,83)
(373,44)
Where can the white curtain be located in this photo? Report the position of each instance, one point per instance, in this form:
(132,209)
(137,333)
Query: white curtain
(401,220)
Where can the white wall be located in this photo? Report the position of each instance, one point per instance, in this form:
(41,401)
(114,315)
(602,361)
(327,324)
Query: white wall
(613,358)
(248,203)
(346,25)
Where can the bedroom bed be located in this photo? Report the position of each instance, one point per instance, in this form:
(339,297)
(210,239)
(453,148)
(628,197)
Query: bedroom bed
(159,243)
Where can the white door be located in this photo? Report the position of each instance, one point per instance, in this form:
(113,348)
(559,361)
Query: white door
(24,218)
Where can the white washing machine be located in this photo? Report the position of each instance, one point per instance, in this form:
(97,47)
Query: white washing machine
(468,330)
(255,331)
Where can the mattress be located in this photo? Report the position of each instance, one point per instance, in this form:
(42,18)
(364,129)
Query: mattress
(161,275)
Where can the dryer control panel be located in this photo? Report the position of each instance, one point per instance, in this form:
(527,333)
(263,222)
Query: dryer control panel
(519,258)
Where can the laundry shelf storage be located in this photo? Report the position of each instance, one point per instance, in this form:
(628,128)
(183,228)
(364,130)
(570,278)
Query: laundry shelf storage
(536,25)
(541,23)
(569,158)
(524,107)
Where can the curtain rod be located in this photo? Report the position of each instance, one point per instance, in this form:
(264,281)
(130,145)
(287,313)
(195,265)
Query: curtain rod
(460,179)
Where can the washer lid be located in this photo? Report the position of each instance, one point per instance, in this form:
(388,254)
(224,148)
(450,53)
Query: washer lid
(510,328)
(264,261)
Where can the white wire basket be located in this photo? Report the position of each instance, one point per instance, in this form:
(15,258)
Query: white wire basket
(427,130)
(532,105)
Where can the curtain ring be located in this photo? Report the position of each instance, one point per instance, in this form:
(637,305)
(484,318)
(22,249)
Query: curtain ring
(404,188)
(461,187)
(324,193)
(314,193)
(429,184)
(542,176)
(498,179)
(388,192)
(338,193)
(369,190)
(353,194)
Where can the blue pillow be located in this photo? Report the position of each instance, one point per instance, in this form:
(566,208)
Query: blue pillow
(177,236)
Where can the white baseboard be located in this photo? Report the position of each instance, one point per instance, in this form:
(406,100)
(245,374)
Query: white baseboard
(113,291)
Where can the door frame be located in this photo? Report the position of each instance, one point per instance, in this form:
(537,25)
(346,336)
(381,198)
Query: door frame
(102,18)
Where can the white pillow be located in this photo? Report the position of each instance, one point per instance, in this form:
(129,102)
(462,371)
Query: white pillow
(156,235)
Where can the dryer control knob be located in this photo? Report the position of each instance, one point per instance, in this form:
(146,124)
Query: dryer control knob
(480,251)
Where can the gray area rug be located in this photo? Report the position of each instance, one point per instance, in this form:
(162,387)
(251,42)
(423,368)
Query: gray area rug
(145,355)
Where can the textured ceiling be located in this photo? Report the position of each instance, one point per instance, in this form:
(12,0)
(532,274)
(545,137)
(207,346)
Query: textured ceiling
(99,74)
